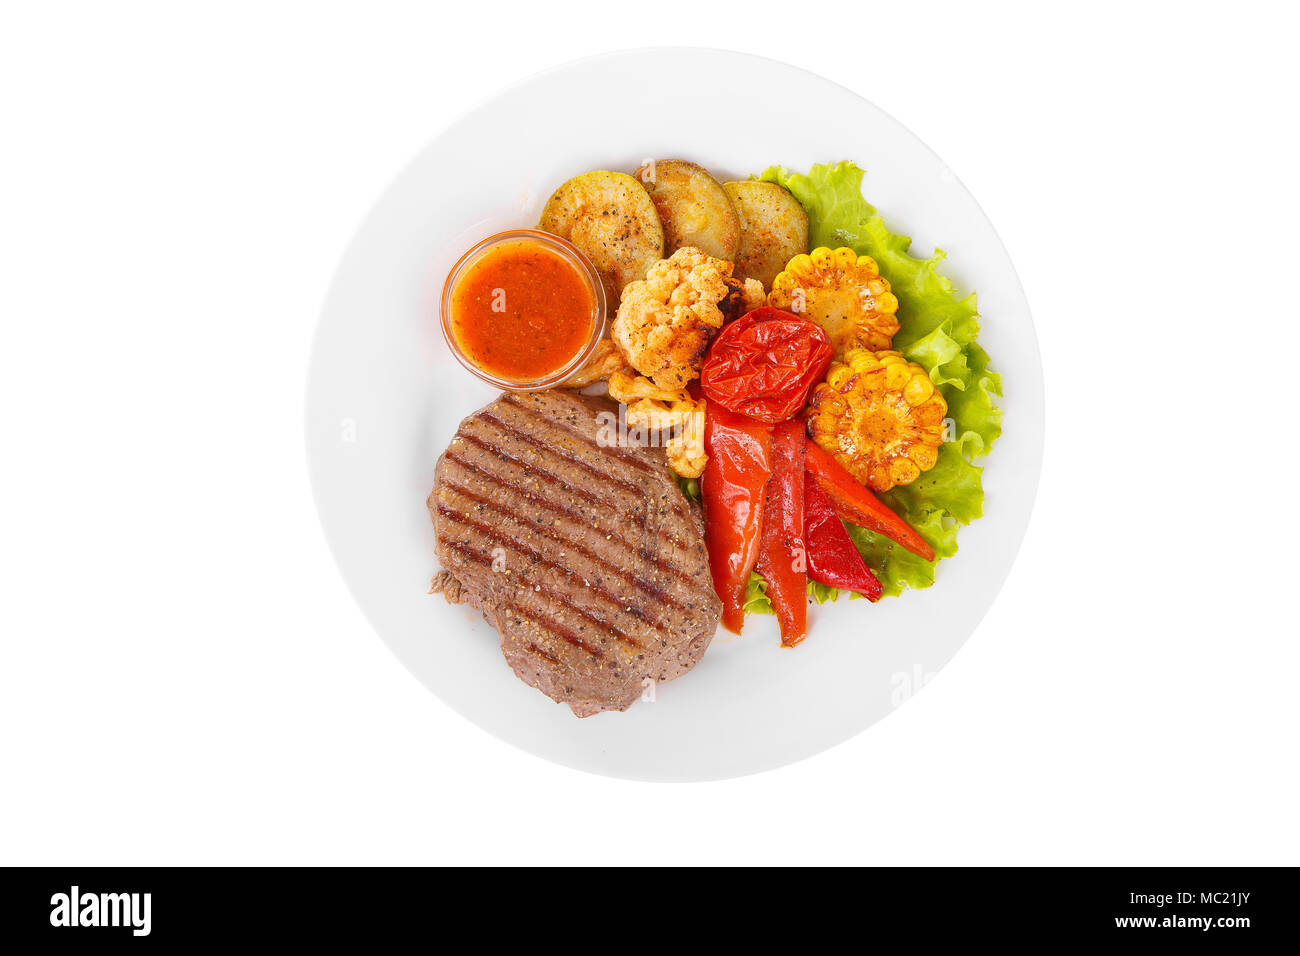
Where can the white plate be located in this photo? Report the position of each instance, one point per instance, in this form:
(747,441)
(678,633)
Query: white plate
(385,396)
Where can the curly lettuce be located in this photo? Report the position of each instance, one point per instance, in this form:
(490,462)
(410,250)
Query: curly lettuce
(757,601)
(938,331)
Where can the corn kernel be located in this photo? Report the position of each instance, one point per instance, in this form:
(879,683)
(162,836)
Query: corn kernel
(918,390)
(800,263)
(903,471)
(924,455)
(931,412)
(897,376)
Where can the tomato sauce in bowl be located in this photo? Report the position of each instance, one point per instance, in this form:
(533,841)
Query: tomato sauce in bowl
(523,309)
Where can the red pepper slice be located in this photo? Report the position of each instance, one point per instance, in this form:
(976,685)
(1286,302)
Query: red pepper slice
(740,462)
(832,557)
(763,364)
(855,502)
(782,554)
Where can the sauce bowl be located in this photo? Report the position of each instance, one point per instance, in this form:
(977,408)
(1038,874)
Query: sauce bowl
(565,364)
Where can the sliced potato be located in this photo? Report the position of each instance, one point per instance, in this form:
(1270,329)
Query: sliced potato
(693,208)
(610,217)
(773,229)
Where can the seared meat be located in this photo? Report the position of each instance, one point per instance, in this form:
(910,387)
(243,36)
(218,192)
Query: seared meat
(589,560)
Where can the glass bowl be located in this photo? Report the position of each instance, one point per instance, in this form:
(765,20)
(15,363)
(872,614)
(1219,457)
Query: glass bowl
(567,251)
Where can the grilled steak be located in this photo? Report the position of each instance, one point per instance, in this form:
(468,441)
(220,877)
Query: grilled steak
(589,560)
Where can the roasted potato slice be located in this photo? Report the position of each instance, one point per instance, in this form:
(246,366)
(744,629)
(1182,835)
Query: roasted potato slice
(773,229)
(693,207)
(610,217)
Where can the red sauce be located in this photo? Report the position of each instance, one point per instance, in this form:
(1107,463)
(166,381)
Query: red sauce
(522,311)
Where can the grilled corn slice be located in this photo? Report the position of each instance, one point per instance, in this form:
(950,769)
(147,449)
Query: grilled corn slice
(844,293)
(880,416)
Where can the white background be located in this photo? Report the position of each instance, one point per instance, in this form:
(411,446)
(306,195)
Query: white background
(184,677)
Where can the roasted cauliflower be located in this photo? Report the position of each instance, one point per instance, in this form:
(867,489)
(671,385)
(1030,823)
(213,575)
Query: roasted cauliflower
(603,362)
(679,427)
(743,295)
(842,292)
(673,419)
(880,416)
(628,388)
(665,321)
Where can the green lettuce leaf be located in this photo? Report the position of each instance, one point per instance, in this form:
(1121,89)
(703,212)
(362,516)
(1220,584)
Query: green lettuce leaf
(757,601)
(938,331)
(821,593)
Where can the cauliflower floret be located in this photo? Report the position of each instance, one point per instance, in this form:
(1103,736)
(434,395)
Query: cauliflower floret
(680,428)
(742,297)
(603,361)
(628,388)
(665,321)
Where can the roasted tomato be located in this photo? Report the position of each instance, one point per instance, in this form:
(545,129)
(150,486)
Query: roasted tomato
(763,365)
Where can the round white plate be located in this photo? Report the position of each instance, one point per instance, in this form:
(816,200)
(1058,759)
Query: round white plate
(385,396)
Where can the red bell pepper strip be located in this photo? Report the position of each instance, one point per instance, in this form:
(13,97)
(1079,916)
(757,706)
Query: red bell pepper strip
(855,502)
(782,554)
(832,557)
(740,462)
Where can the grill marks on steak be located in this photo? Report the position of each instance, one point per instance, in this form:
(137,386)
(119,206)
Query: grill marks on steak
(602,577)
(588,558)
